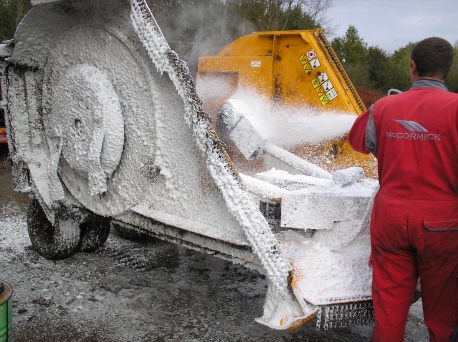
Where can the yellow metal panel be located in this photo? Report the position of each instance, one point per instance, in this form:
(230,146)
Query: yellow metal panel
(295,69)
(253,72)
(255,44)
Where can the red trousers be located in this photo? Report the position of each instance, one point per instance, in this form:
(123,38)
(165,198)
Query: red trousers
(411,239)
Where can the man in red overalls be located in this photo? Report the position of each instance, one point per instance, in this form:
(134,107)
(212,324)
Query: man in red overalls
(414,224)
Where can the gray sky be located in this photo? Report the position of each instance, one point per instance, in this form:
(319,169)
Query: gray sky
(391,24)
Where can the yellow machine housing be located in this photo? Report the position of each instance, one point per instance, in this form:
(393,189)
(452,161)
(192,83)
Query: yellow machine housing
(295,69)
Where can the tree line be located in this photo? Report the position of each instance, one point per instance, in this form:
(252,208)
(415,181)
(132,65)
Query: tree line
(373,68)
(203,27)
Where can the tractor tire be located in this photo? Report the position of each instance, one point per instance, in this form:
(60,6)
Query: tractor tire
(56,241)
(94,233)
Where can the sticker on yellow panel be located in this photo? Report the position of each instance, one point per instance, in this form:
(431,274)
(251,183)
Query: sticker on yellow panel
(324,88)
(315,63)
(307,67)
(332,94)
(311,54)
(305,63)
(309,61)
(316,82)
(322,77)
(327,85)
(320,90)
(304,59)
(324,99)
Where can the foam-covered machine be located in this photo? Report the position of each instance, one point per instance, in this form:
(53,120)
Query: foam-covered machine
(105,128)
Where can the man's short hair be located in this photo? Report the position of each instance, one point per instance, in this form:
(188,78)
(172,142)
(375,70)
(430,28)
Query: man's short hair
(433,57)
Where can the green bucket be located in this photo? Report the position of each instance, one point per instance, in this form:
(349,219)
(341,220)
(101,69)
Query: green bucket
(6,317)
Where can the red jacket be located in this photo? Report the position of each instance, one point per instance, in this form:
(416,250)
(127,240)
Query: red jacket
(414,136)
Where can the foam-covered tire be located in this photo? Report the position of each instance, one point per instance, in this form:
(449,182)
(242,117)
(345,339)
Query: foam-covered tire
(52,241)
(94,233)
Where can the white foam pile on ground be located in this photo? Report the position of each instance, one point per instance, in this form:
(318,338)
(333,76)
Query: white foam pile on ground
(13,237)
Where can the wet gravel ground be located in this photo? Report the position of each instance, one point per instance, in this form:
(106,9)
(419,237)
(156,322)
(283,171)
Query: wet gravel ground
(144,290)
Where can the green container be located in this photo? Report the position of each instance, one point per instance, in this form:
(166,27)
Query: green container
(6,317)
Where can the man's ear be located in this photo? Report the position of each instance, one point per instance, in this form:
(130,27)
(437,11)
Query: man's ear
(413,67)
(413,71)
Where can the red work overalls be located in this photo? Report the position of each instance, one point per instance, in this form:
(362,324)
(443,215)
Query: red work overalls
(414,224)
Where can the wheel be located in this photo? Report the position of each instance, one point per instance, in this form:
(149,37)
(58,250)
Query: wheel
(93,95)
(94,233)
(52,241)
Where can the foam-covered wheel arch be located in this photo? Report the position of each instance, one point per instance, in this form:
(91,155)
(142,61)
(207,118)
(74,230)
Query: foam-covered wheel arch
(52,241)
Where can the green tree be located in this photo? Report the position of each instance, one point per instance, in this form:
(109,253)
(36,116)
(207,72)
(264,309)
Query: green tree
(351,49)
(352,52)
(452,79)
(11,13)
(276,15)
(359,75)
(378,68)
(399,68)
